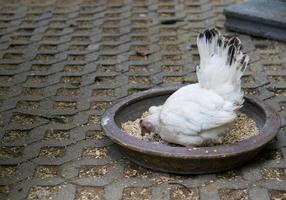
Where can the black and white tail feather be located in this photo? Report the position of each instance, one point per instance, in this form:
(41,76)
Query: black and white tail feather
(222,64)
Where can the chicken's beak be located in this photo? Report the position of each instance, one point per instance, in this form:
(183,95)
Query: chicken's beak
(144,130)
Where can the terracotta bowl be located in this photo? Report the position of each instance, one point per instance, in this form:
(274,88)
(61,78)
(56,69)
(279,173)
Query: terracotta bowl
(182,160)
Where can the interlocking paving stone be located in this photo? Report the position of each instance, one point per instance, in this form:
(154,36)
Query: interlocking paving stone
(62,63)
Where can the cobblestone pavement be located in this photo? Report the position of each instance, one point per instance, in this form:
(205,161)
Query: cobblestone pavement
(61,67)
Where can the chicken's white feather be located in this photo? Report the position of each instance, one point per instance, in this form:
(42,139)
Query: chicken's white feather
(204,111)
(222,64)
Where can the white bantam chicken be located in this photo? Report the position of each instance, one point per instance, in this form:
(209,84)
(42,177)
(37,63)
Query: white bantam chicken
(203,112)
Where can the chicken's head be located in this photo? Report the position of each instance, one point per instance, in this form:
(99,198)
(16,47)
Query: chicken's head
(146,127)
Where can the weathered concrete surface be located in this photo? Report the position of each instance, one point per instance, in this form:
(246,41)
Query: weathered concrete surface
(264,18)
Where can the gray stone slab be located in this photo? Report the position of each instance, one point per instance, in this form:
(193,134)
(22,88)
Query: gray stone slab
(263,18)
